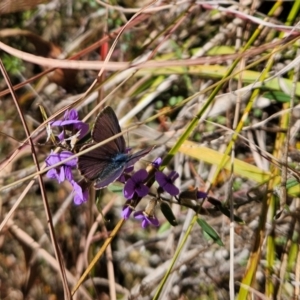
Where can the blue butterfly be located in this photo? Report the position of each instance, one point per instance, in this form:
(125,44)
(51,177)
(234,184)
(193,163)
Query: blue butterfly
(106,164)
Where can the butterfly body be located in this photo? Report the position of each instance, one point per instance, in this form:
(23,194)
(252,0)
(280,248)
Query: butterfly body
(106,164)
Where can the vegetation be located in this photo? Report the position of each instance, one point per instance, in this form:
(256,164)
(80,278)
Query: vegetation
(215,88)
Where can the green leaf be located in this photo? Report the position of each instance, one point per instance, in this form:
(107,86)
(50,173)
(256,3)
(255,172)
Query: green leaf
(164,227)
(291,182)
(167,212)
(293,187)
(278,96)
(13,64)
(210,231)
(116,188)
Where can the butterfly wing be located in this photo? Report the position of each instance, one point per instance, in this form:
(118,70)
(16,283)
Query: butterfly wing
(111,175)
(115,168)
(106,126)
(92,163)
(106,163)
(133,158)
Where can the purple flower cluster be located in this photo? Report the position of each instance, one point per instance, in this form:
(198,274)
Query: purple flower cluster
(135,188)
(135,185)
(71,126)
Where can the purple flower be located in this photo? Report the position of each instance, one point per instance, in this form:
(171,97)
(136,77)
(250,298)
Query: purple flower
(127,210)
(80,195)
(167,182)
(157,162)
(62,172)
(146,219)
(71,123)
(135,185)
(55,158)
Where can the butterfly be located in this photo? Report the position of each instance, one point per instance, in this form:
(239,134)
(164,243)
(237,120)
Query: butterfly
(106,164)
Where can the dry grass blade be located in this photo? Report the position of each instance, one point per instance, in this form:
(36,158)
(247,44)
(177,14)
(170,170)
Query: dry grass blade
(10,6)
(214,82)
(41,183)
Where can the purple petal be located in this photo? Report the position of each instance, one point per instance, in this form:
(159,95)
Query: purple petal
(140,176)
(78,125)
(83,128)
(161,178)
(55,158)
(139,215)
(126,212)
(61,136)
(153,221)
(60,123)
(142,190)
(157,162)
(79,195)
(145,223)
(77,188)
(66,154)
(66,123)
(149,220)
(61,176)
(68,173)
(71,118)
(135,185)
(71,115)
(79,200)
(52,174)
(129,189)
(171,189)
(166,182)
(173,176)
(201,195)
(51,159)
